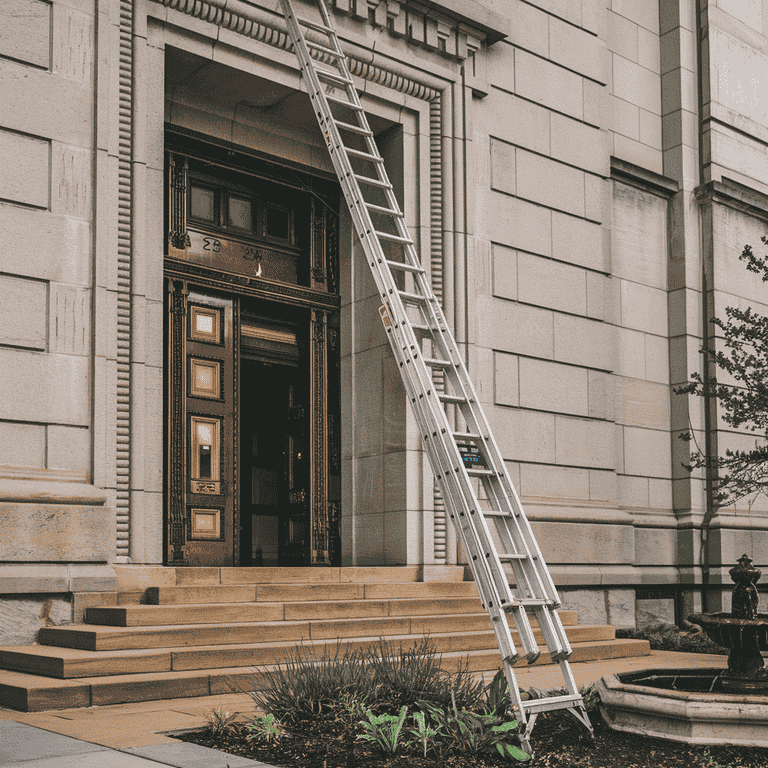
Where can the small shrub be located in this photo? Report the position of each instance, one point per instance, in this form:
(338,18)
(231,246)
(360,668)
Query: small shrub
(383,677)
(265,728)
(467,732)
(220,721)
(424,735)
(385,730)
(668,637)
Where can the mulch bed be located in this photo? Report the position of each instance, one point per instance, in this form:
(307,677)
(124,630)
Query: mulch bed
(558,740)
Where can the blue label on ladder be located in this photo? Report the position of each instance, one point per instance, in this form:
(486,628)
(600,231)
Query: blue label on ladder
(471,456)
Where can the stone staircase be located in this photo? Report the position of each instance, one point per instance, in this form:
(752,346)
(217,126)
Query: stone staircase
(212,630)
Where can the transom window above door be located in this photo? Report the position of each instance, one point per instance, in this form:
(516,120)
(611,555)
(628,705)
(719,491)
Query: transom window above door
(237,222)
(239,214)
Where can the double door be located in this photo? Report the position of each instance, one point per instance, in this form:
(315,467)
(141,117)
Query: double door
(252,469)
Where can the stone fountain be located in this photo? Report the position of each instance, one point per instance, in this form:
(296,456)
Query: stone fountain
(703,706)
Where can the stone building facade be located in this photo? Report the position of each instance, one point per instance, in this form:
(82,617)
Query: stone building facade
(192,366)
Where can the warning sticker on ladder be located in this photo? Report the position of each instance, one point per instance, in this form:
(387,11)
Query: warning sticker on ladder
(385,318)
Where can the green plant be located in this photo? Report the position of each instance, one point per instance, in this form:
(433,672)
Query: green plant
(737,350)
(220,721)
(424,734)
(266,728)
(384,729)
(305,686)
(497,698)
(384,677)
(465,731)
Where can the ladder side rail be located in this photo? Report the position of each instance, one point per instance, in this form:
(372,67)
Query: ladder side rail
(447,461)
(456,497)
(443,451)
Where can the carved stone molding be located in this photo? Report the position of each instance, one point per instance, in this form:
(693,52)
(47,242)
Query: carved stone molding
(124,257)
(177,308)
(454,30)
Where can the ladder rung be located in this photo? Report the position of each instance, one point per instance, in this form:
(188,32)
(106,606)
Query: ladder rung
(373,182)
(451,398)
(363,155)
(467,436)
(506,557)
(421,328)
(324,49)
(393,238)
(479,471)
(405,267)
(412,297)
(333,77)
(532,601)
(551,702)
(353,128)
(386,211)
(344,102)
(495,513)
(317,27)
(434,363)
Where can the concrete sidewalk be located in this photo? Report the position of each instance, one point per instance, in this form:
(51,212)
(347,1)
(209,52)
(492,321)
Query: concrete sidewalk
(136,735)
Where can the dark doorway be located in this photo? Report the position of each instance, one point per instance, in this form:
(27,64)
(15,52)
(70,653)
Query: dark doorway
(274,477)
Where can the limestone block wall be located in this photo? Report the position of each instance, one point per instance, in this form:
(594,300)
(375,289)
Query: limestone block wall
(57,533)
(546,316)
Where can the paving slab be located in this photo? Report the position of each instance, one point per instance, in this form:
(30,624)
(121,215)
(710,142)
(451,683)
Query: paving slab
(183,755)
(21,742)
(104,758)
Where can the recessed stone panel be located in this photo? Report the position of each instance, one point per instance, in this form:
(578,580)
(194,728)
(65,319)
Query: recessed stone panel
(56,533)
(553,387)
(25,31)
(506,379)
(26,180)
(23,312)
(44,387)
(22,445)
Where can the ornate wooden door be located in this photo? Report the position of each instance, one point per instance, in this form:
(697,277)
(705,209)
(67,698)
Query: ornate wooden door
(201,429)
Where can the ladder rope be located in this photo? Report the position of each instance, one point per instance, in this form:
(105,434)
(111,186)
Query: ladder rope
(403,283)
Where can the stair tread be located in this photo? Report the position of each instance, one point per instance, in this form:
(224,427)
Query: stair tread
(9,677)
(83,653)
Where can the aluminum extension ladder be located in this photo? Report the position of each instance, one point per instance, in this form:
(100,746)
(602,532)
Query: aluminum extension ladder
(466,461)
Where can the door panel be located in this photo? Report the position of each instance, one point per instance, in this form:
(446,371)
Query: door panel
(201,427)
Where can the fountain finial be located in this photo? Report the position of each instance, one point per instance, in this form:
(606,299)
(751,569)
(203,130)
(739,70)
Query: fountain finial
(744,600)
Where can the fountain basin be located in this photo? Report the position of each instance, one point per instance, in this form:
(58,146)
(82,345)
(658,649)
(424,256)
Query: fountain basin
(731,632)
(684,705)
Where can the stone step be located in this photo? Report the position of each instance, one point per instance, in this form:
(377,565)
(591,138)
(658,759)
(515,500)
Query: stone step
(33,693)
(593,650)
(277,593)
(67,663)
(221,613)
(101,638)
(309,575)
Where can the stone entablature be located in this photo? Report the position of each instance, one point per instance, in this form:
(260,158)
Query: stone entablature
(453,29)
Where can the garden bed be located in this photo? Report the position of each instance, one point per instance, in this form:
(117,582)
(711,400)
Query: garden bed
(387,707)
(558,741)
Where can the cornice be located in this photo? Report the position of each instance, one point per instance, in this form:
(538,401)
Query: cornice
(257,24)
(643,178)
(734,195)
